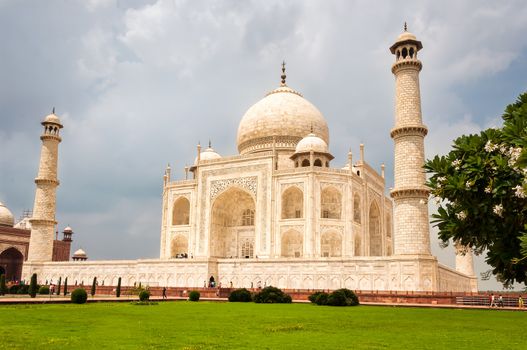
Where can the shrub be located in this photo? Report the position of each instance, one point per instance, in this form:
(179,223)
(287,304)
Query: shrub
(272,295)
(240,295)
(14,289)
(3,287)
(193,295)
(144,295)
(33,286)
(118,290)
(66,286)
(43,290)
(319,298)
(342,297)
(59,283)
(93,286)
(23,289)
(79,296)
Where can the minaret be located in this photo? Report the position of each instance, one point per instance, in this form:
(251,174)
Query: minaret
(410,194)
(43,219)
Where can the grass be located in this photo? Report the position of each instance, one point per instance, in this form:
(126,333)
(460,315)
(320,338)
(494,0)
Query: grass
(212,325)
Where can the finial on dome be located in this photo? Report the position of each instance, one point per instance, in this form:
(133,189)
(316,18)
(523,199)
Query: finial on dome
(405,27)
(53,110)
(210,144)
(283,76)
(311,127)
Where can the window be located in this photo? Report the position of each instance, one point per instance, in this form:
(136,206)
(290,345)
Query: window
(248,217)
(247,249)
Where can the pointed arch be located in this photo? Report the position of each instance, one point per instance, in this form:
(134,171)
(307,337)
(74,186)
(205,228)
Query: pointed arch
(357,244)
(388,226)
(374,222)
(181,211)
(356,208)
(11,261)
(331,244)
(178,246)
(317,162)
(292,203)
(330,203)
(292,244)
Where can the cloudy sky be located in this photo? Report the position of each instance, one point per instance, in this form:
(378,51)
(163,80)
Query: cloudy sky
(138,83)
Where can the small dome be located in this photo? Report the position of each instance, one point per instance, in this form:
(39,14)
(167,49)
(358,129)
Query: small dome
(52,118)
(312,143)
(207,154)
(406,36)
(79,253)
(6,217)
(68,230)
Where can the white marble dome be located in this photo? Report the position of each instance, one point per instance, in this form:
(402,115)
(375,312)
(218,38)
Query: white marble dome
(282,113)
(79,253)
(207,154)
(6,217)
(312,143)
(52,118)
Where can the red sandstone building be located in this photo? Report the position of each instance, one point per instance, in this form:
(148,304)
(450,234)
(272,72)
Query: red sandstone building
(14,244)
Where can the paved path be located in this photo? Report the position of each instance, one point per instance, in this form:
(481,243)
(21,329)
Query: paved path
(45,299)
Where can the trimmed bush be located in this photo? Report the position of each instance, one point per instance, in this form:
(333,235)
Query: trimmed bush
(14,289)
(342,297)
(193,295)
(3,287)
(240,295)
(270,295)
(66,286)
(118,290)
(44,290)
(144,295)
(319,298)
(33,286)
(79,296)
(59,284)
(23,289)
(93,286)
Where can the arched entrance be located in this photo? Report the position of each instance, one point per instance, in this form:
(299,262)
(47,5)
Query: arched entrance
(232,228)
(11,261)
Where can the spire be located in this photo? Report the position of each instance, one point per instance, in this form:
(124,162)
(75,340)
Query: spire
(210,144)
(405,27)
(53,110)
(283,76)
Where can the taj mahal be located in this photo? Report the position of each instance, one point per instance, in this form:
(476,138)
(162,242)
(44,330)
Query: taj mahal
(279,212)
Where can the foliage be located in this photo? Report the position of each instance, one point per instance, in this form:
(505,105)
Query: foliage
(118,290)
(144,295)
(79,296)
(319,298)
(211,325)
(22,289)
(59,283)
(43,290)
(3,286)
(240,295)
(66,286)
(14,289)
(342,297)
(93,286)
(270,295)
(481,190)
(193,295)
(33,286)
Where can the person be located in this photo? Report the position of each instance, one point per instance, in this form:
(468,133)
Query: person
(164,292)
(520,301)
(492,300)
(500,301)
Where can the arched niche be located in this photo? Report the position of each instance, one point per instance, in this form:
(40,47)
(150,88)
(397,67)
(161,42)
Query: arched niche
(178,246)
(11,261)
(357,244)
(292,244)
(330,203)
(356,208)
(331,244)
(374,219)
(388,226)
(232,223)
(181,211)
(292,203)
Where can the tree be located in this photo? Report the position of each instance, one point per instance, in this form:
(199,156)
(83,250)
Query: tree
(59,285)
(33,288)
(93,286)
(3,287)
(118,290)
(481,188)
(66,286)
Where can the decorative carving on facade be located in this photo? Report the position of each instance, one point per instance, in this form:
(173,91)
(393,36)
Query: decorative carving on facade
(177,195)
(285,186)
(298,228)
(324,228)
(248,183)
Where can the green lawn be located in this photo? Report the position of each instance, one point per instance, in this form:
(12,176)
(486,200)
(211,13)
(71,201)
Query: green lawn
(212,325)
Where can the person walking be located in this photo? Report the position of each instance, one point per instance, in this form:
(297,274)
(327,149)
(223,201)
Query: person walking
(164,292)
(500,301)
(492,300)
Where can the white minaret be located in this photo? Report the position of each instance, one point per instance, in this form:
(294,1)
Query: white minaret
(410,194)
(43,219)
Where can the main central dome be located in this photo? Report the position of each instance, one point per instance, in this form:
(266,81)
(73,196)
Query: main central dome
(281,119)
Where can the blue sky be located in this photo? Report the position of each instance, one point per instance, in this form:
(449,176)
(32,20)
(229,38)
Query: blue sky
(138,84)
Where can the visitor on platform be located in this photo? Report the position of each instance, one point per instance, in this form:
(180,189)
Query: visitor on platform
(520,301)
(492,300)
(500,301)
(164,292)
